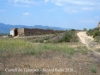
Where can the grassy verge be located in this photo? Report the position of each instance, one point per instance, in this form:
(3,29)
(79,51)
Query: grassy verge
(31,59)
(10,46)
(82,49)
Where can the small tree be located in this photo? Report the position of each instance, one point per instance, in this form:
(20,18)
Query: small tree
(84,29)
(67,36)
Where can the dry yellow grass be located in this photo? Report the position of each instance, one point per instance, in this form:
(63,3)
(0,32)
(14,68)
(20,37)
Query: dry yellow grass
(47,56)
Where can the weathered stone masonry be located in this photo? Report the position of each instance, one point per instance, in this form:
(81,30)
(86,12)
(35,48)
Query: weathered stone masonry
(35,31)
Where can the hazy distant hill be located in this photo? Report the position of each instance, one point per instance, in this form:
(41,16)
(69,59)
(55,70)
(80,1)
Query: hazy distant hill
(5,28)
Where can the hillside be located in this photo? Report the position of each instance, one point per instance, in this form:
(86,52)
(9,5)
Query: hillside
(40,54)
(5,28)
(95,33)
(42,58)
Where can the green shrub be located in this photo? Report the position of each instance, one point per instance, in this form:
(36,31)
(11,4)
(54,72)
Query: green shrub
(41,41)
(69,36)
(93,69)
(31,52)
(84,29)
(97,39)
(66,37)
(46,38)
(72,30)
(92,31)
(95,33)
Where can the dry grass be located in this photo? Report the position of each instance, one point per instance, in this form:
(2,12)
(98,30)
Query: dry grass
(18,53)
(21,46)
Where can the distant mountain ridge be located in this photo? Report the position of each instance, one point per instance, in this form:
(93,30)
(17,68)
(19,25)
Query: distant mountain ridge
(5,28)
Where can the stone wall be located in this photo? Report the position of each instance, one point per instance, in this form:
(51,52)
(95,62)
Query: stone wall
(21,31)
(14,31)
(35,31)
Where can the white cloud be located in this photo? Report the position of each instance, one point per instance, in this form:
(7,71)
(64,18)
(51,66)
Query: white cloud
(75,6)
(59,4)
(24,2)
(26,14)
(71,9)
(71,6)
(46,1)
(78,2)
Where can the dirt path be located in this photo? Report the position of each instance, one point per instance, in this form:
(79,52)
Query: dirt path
(88,41)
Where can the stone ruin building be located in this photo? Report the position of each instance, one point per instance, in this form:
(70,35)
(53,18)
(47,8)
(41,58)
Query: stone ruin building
(33,31)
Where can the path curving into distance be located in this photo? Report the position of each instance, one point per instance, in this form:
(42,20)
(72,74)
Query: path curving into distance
(88,41)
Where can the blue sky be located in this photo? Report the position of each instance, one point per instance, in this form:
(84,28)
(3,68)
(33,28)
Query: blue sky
(76,14)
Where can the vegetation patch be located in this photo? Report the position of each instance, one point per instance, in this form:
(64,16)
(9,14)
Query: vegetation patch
(82,49)
(44,55)
(93,68)
(66,36)
(69,36)
(20,46)
(95,33)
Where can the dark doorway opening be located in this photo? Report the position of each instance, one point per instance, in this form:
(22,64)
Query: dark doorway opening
(16,32)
